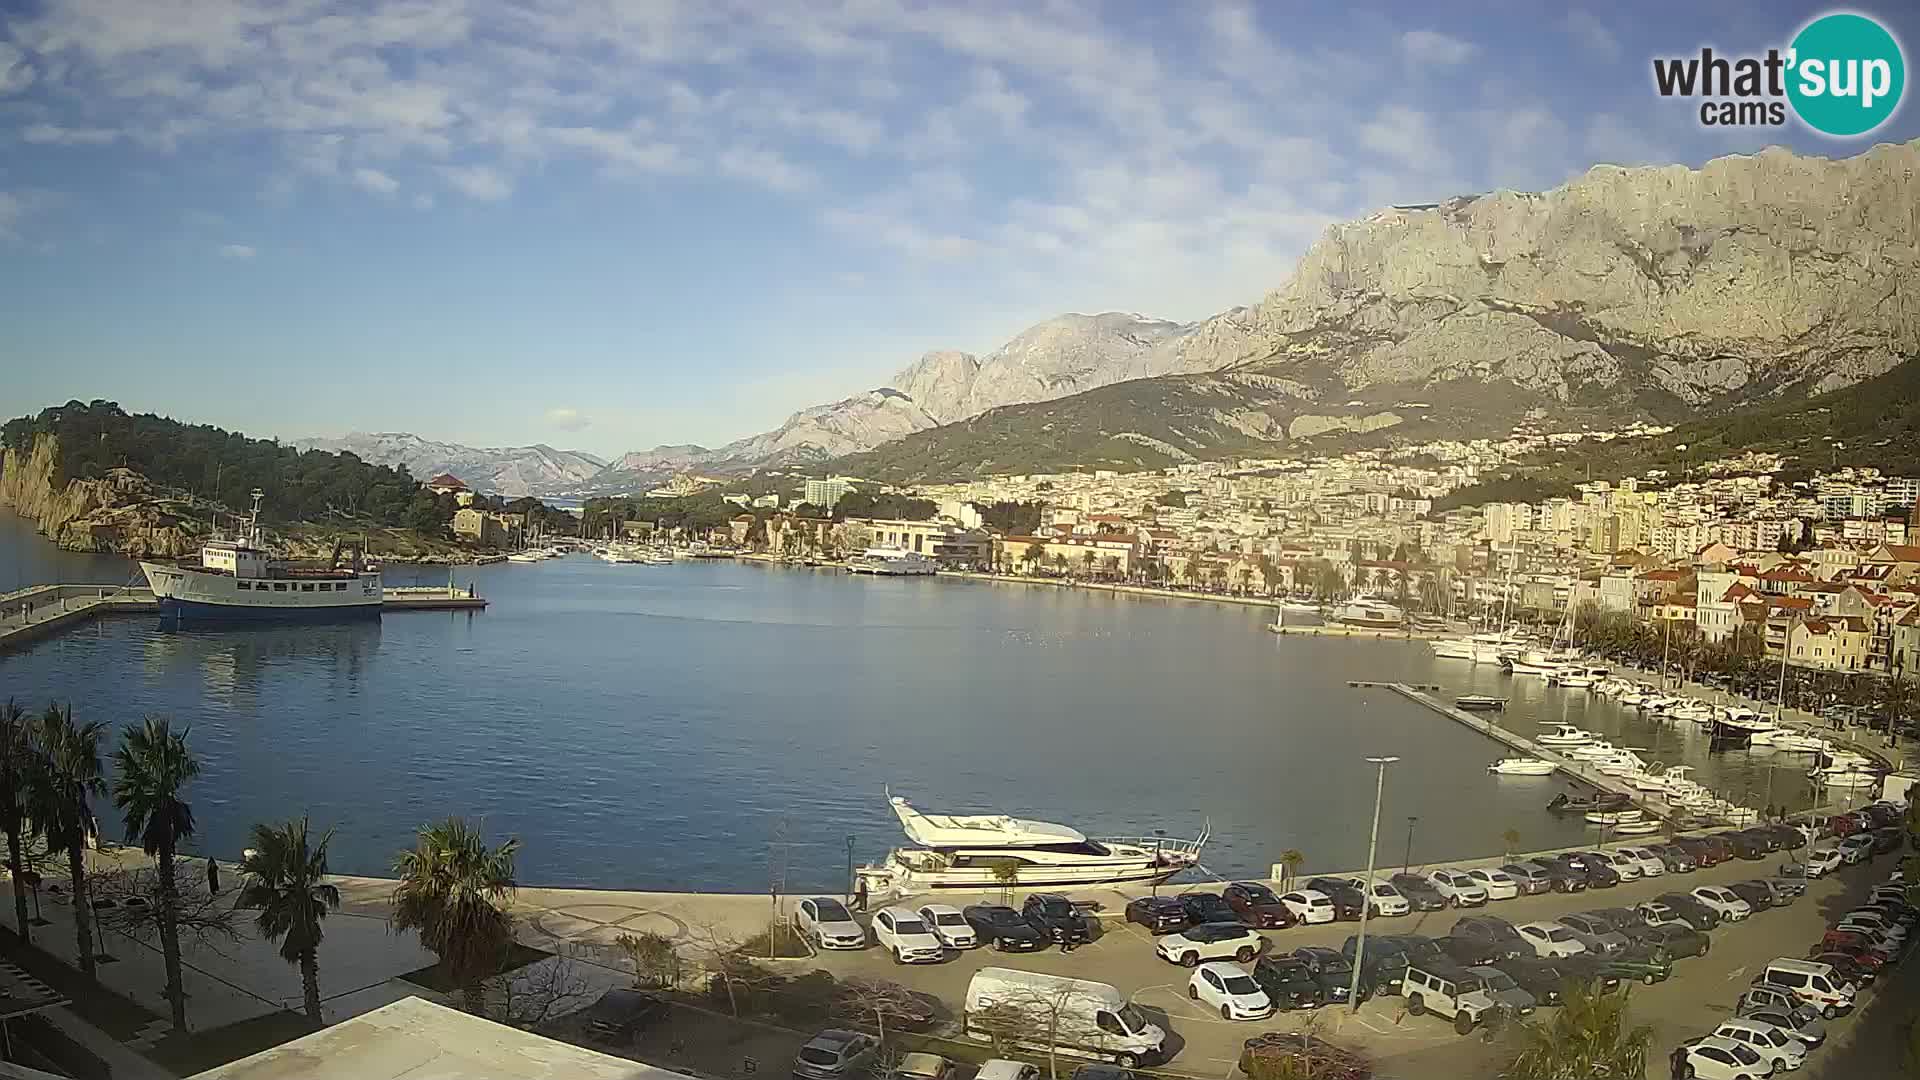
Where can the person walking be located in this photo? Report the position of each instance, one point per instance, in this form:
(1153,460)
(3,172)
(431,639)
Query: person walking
(1679,1060)
(860,896)
(213,877)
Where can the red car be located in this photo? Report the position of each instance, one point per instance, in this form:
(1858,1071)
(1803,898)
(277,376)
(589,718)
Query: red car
(1853,945)
(1843,825)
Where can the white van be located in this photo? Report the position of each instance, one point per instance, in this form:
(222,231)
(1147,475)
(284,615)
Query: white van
(1074,1016)
(1815,983)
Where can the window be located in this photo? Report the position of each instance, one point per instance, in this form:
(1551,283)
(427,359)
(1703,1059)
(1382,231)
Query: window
(1108,1022)
(244,586)
(307,587)
(279,586)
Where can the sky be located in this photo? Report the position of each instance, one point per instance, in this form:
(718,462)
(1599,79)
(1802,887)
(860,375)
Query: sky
(610,224)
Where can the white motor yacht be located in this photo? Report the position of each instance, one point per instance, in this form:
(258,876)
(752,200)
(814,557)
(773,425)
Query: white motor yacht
(1612,817)
(1522,766)
(1800,742)
(1593,751)
(966,852)
(1565,735)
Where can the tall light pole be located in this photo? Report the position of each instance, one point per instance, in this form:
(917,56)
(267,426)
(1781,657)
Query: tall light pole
(1366,908)
(1407,866)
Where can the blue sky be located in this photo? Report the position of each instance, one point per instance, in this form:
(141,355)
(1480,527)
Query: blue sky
(611,224)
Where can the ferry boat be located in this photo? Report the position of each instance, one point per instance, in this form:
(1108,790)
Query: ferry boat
(239,579)
(966,851)
(891,562)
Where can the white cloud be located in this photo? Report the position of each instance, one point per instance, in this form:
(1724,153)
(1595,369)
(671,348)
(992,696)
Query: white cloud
(768,168)
(1434,48)
(12,207)
(423,201)
(477,182)
(16,74)
(620,151)
(1405,135)
(375,181)
(567,419)
(236,251)
(55,135)
(1593,34)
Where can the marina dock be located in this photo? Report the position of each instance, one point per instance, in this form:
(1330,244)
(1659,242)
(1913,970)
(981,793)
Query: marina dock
(38,611)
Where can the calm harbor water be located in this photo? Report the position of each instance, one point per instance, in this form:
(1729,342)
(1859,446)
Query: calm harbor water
(683,726)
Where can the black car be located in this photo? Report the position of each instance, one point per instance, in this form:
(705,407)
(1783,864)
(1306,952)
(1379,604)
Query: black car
(1755,893)
(1469,951)
(1420,893)
(1206,907)
(1537,977)
(1334,974)
(1670,942)
(1688,907)
(621,1013)
(1386,962)
(1054,916)
(1785,837)
(1348,902)
(1744,845)
(1589,969)
(1762,835)
(1497,933)
(836,1054)
(1289,982)
(1257,905)
(1600,873)
(1565,876)
(1003,928)
(1887,838)
(1159,914)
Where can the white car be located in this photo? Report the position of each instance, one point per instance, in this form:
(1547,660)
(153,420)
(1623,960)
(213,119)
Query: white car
(1457,888)
(1877,921)
(1210,941)
(949,926)
(1382,897)
(1229,991)
(1823,860)
(900,931)
(828,923)
(1550,940)
(1003,1069)
(1857,848)
(1309,905)
(1774,1043)
(1723,901)
(1714,1058)
(1498,883)
(1623,864)
(1650,863)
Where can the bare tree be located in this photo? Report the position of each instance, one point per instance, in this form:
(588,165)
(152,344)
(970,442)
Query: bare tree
(537,993)
(655,960)
(727,965)
(127,901)
(1027,1017)
(880,1002)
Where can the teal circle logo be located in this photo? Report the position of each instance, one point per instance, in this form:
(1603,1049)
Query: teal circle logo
(1847,74)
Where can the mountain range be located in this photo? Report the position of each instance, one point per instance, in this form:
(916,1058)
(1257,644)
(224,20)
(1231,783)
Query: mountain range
(509,470)
(1627,293)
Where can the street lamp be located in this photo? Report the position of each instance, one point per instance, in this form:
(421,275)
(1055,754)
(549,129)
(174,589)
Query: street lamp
(1407,866)
(849,868)
(1158,836)
(1366,907)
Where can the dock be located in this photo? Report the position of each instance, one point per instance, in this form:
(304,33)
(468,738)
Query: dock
(30,614)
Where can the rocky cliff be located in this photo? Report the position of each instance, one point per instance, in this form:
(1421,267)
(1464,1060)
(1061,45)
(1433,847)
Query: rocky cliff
(116,513)
(1666,292)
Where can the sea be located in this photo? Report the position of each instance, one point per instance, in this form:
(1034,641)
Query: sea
(733,726)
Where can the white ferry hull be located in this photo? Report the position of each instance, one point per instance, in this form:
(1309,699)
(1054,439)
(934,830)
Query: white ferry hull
(194,594)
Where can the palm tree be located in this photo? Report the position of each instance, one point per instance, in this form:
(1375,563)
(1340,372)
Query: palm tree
(67,776)
(1290,861)
(286,884)
(154,764)
(452,887)
(16,772)
(1512,839)
(1036,556)
(1588,1036)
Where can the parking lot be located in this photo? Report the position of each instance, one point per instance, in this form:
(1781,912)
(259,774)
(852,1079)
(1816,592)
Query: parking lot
(1700,994)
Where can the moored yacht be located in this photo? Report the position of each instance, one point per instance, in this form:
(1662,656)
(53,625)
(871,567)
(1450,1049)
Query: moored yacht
(1566,735)
(1522,766)
(891,562)
(1367,611)
(967,851)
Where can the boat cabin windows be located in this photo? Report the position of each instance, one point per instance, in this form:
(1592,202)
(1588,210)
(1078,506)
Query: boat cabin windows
(308,587)
(279,586)
(244,585)
(1084,847)
(988,861)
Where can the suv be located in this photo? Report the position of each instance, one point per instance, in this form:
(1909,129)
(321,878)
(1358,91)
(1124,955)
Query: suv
(1497,932)
(1596,933)
(1386,960)
(836,1054)
(1003,928)
(1334,974)
(1289,983)
(1531,878)
(1210,941)
(900,931)
(1159,914)
(1506,990)
(827,922)
(1541,978)
(1705,852)
(1565,876)
(1689,908)
(1450,991)
(620,1013)
(1348,902)
(1459,889)
(1257,905)
(1053,915)
(1206,907)
(1676,858)
(1598,868)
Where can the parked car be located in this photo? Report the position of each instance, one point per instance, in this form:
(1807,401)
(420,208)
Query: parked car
(828,923)
(1499,885)
(900,931)
(1385,963)
(923,1066)
(1562,876)
(1496,932)
(1551,940)
(836,1054)
(1786,837)
(1880,921)
(1818,863)
(1660,913)
(1706,851)
(1596,934)
(619,1014)
(1766,837)
(1783,890)
(1005,1069)
(1257,905)
(1756,893)
(1723,901)
(1675,941)
(1802,1023)
(1649,863)
(1867,949)
(1539,978)
(1817,984)
(1710,1058)
(1506,990)
(1531,878)
(949,925)
(1762,999)
(1333,972)
(1451,992)
(1696,913)
(1468,951)
(1588,969)
(1310,906)
(1418,891)
(1856,848)
(1159,914)
(1850,967)
(1229,991)
(1348,901)
(1744,845)
(1638,965)
(1288,982)
(1056,918)
(1678,860)
(1774,1044)
(1382,897)
(1459,889)
(1598,868)
(1622,863)
(1003,928)
(1206,907)
(1210,941)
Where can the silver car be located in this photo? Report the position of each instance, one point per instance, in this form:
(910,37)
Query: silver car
(827,922)
(1597,934)
(1506,992)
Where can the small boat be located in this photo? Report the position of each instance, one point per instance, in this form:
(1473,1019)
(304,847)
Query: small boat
(1480,703)
(1612,817)
(1522,766)
(1605,800)
(1566,735)
(1636,828)
(523,557)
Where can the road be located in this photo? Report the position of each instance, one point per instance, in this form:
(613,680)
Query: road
(1701,993)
